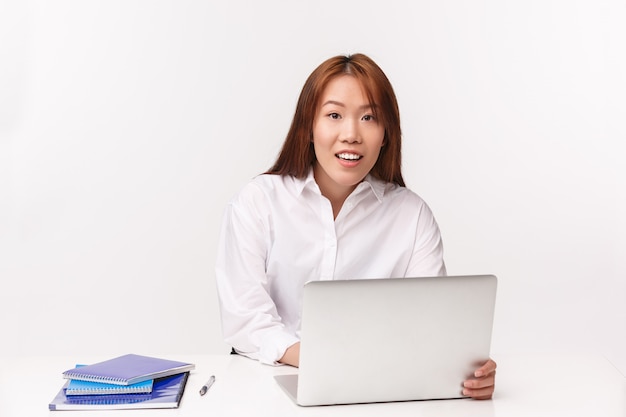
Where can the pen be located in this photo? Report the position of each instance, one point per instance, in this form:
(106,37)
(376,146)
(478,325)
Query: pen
(208,384)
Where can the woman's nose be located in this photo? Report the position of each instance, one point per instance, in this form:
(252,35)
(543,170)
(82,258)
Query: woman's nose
(350,132)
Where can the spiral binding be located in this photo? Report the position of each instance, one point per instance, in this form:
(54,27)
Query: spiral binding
(91,378)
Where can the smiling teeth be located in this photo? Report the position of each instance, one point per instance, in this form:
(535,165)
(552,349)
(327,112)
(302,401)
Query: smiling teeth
(349,156)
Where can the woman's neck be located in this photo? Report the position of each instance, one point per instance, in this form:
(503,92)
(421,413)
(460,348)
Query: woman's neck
(334,192)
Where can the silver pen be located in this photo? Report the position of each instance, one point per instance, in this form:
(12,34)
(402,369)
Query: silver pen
(208,384)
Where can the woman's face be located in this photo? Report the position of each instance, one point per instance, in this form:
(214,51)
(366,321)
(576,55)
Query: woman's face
(346,137)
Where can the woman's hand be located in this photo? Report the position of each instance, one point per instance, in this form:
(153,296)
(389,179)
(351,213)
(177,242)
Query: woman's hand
(481,387)
(292,355)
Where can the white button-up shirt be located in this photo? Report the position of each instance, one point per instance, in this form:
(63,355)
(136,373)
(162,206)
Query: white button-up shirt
(278,233)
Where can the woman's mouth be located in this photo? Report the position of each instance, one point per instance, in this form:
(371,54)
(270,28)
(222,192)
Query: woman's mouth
(348,156)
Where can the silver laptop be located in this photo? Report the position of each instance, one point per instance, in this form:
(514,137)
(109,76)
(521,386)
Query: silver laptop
(398,339)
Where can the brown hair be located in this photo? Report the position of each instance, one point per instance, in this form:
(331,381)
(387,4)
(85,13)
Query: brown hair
(297,154)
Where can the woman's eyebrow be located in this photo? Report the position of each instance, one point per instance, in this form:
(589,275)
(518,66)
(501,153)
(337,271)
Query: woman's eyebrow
(340,104)
(334,102)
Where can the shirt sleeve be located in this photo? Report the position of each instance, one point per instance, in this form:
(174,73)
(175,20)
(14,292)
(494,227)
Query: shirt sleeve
(427,258)
(250,322)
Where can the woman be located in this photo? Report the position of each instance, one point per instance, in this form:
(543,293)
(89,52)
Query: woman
(333,206)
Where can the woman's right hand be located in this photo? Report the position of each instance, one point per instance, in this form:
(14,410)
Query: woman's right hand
(292,355)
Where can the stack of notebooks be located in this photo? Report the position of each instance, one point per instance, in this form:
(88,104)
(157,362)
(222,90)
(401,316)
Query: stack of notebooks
(126,382)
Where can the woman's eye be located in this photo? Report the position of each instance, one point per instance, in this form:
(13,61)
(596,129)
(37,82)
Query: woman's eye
(368,118)
(334,115)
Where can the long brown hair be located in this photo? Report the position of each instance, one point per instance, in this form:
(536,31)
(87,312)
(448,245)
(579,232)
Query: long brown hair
(297,154)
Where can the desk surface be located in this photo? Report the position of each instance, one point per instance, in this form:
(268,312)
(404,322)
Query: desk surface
(526,385)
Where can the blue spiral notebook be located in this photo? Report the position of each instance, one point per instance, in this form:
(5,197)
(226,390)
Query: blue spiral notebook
(128,369)
(166,393)
(78,387)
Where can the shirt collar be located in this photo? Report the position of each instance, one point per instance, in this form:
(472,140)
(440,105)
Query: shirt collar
(308,182)
(377,186)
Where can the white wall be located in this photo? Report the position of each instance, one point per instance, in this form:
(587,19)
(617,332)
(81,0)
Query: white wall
(125,126)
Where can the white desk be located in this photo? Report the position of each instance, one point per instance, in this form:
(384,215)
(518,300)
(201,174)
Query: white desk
(526,385)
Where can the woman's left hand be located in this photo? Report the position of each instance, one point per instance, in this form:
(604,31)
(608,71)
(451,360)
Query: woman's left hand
(481,387)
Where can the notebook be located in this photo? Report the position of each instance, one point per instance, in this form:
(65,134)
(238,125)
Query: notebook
(78,387)
(128,369)
(167,392)
(398,339)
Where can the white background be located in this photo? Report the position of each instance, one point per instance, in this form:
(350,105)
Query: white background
(125,127)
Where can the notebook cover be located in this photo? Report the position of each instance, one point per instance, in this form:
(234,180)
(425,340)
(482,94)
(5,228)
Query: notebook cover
(166,393)
(78,387)
(128,369)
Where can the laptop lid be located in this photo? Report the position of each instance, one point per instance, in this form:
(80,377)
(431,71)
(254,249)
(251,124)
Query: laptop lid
(397,339)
